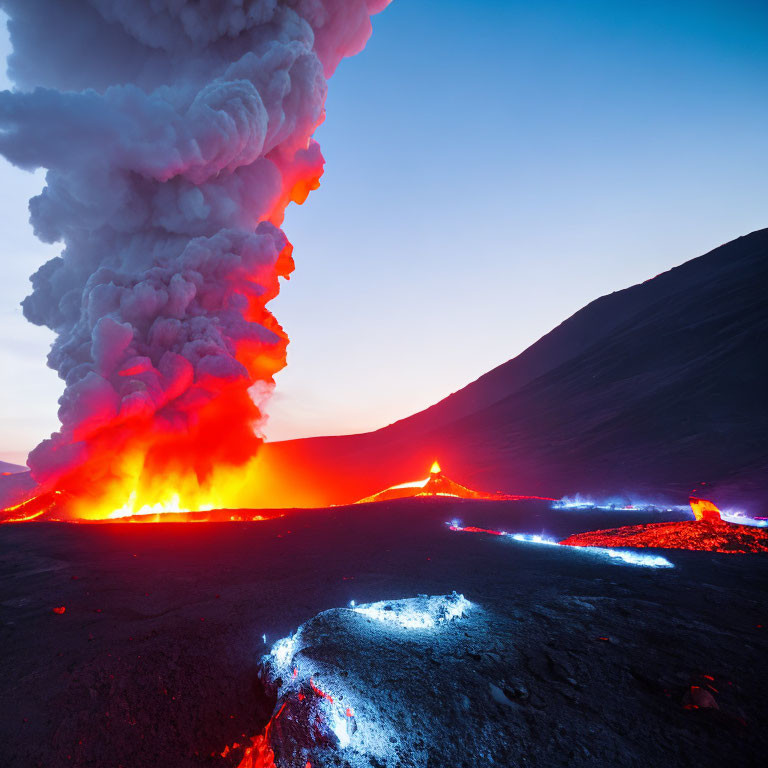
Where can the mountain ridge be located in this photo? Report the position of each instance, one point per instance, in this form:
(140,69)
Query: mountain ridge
(707,309)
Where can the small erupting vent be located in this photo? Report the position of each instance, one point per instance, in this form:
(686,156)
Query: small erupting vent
(437,484)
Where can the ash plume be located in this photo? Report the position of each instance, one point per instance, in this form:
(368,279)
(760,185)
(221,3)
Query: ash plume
(174,133)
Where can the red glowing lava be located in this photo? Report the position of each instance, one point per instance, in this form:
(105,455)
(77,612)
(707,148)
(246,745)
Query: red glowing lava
(160,302)
(40,506)
(260,753)
(51,506)
(437,484)
(708,532)
(475,529)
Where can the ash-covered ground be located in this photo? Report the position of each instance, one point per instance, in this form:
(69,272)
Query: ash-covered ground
(566,658)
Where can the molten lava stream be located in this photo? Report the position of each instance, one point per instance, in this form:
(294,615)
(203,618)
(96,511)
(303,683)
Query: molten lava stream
(259,754)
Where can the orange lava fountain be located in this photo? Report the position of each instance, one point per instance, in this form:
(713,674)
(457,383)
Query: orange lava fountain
(704,510)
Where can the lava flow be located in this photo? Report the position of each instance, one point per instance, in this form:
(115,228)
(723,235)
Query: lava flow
(708,532)
(437,484)
(259,754)
(44,504)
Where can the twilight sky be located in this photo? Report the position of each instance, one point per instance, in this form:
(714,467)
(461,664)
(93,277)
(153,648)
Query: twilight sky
(492,166)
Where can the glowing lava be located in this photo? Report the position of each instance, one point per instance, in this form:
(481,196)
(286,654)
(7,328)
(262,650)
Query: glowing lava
(630,558)
(708,532)
(168,211)
(259,754)
(44,504)
(437,484)
(704,510)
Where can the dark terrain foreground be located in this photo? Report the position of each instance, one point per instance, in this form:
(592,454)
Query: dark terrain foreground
(566,659)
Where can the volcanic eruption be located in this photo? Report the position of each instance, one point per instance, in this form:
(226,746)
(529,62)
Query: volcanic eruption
(437,484)
(174,135)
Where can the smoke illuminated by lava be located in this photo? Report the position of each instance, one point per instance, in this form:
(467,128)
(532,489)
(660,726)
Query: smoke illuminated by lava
(174,135)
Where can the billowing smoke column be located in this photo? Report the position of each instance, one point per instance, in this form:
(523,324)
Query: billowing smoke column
(174,134)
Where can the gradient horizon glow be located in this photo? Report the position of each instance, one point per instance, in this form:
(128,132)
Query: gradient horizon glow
(491,168)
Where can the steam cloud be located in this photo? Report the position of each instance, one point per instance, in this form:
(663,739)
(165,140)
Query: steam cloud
(174,134)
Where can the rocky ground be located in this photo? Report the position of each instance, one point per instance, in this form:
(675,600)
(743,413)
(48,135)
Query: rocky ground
(564,659)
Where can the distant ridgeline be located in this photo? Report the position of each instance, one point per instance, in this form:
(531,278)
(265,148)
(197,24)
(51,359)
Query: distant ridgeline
(648,391)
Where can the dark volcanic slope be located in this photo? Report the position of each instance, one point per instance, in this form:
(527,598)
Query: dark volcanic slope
(583,662)
(650,390)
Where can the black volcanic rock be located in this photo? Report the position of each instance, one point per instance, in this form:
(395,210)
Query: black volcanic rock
(568,658)
(651,391)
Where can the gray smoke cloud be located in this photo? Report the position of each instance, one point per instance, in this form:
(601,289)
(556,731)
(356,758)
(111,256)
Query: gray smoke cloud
(173,133)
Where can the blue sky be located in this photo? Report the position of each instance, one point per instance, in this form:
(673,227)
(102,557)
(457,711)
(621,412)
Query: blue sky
(491,167)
